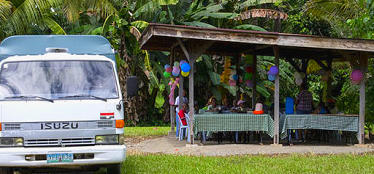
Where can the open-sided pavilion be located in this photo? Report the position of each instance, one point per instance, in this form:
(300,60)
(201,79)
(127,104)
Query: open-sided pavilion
(195,41)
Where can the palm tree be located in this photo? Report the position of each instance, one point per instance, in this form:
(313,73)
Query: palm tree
(338,13)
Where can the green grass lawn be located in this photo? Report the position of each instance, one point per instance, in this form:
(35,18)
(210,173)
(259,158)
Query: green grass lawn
(146,131)
(250,164)
(159,163)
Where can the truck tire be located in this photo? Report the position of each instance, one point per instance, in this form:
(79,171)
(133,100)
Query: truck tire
(5,170)
(114,169)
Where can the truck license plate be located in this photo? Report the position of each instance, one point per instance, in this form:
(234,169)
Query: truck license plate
(59,158)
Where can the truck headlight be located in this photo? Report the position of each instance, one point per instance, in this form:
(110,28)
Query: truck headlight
(11,142)
(106,139)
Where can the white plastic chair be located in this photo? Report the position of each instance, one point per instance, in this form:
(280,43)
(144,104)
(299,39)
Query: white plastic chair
(183,127)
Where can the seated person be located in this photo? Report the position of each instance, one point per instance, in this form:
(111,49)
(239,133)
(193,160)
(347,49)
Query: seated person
(234,106)
(212,105)
(241,108)
(225,105)
(182,114)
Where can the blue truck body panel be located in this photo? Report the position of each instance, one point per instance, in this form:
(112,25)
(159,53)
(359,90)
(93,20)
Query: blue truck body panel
(36,45)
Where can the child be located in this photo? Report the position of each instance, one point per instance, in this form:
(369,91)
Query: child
(182,114)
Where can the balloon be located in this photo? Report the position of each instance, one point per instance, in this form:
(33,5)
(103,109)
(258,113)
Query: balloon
(169,69)
(235,77)
(249,83)
(232,82)
(176,63)
(166,66)
(248,69)
(356,75)
(247,76)
(166,74)
(355,82)
(298,81)
(176,71)
(185,74)
(182,62)
(185,67)
(273,70)
(268,68)
(271,77)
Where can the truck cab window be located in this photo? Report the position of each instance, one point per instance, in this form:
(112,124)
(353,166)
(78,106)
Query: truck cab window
(58,79)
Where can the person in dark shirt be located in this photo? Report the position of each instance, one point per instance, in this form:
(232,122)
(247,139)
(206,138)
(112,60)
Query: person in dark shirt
(304,105)
(304,101)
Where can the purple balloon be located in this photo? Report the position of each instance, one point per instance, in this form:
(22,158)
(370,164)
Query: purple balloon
(249,83)
(273,70)
(356,75)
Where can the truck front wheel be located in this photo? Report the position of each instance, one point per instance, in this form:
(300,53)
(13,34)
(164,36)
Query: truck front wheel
(114,169)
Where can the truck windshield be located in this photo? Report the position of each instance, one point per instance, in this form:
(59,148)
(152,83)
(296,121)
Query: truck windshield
(58,80)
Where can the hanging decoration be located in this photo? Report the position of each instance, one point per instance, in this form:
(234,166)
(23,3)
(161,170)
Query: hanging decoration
(226,71)
(247,76)
(232,82)
(356,76)
(166,74)
(185,74)
(313,67)
(185,68)
(271,77)
(175,71)
(249,83)
(173,85)
(273,70)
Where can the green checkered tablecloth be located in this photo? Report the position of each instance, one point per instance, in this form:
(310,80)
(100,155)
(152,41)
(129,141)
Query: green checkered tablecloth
(234,122)
(316,121)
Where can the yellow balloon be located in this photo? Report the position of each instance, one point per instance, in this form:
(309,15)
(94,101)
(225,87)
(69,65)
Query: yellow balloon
(185,74)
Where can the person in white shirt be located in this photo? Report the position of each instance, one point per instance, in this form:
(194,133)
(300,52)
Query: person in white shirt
(184,100)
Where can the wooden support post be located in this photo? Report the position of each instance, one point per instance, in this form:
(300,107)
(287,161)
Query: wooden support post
(254,82)
(172,107)
(276,98)
(195,51)
(191,98)
(361,123)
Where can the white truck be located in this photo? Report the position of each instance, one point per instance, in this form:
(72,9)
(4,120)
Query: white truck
(60,104)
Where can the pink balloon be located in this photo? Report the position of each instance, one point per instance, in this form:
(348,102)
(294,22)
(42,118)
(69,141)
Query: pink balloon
(356,75)
(232,82)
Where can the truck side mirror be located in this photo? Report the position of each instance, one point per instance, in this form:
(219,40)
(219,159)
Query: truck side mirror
(132,86)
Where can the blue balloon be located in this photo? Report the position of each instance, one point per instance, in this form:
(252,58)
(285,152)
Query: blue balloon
(271,77)
(166,66)
(235,77)
(185,67)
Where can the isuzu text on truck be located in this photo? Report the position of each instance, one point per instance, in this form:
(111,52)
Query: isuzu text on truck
(60,103)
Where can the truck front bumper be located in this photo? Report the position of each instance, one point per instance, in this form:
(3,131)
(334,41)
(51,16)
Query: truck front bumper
(103,154)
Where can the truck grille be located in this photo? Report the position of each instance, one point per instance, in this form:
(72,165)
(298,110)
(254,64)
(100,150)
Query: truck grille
(102,124)
(12,126)
(60,142)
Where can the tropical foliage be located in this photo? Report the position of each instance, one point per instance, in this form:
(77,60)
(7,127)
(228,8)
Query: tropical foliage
(122,21)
